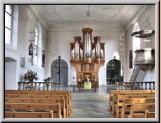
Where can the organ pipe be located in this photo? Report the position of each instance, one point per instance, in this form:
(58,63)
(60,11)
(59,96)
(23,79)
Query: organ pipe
(76,49)
(87,46)
(97,50)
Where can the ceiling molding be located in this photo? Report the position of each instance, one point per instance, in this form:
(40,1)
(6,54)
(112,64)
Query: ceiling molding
(136,17)
(39,18)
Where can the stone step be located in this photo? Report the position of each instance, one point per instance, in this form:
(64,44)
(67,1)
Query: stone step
(90,97)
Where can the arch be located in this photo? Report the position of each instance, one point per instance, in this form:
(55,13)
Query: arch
(136,25)
(39,44)
(113,71)
(50,63)
(59,71)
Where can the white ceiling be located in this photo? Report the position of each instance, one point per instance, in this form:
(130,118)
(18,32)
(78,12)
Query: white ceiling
(120,14)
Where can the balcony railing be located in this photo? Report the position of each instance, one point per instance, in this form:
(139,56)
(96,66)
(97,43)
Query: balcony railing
(39,86)
(136,85)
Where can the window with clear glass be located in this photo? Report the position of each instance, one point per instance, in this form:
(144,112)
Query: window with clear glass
(8,23)
(36,45)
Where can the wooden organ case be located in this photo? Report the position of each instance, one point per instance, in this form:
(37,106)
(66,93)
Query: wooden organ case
(87,57)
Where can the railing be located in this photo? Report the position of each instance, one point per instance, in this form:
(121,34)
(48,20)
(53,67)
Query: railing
(136,85)
(39,86)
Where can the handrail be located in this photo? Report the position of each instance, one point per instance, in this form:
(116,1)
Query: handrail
(38,85)
(136,85)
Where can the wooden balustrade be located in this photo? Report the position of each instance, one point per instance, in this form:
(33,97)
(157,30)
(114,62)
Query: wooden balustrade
(135,85)
(39,86)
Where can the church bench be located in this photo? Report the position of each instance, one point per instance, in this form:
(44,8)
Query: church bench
(44,92)
(114,98)
(39,91)
(136,109)
(128,101)
(47,114)
(65,96)
(121,91)
(119,102)
(35,107)
(40,100)
(149,114)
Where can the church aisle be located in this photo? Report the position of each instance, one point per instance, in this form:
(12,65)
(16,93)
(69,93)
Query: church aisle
(90,104)
(90,109)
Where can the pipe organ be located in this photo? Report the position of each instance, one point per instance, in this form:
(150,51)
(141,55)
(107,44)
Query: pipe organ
(87,56)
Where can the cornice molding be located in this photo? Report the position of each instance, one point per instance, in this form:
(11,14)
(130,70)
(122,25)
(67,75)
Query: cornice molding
(39,18)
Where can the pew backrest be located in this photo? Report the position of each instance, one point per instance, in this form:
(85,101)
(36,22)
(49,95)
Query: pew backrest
(149,114)
(140,107)
(112,92)
(29,114)
(35,106)
(128,101)
(41,100)
(115,97)
(67,102)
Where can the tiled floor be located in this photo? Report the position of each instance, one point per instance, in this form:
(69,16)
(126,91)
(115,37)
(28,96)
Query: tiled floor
(90,104)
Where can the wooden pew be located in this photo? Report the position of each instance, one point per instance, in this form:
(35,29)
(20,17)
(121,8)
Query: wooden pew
(119,102)
(65,96)
(140,107)
(120,91)
(149,114)
(41,96)
(29,114)
(40,100)
(128,101)
(45,92)
(36,107)
(114,100)
(39,92)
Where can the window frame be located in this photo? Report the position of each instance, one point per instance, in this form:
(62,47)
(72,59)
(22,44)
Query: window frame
(36,45)
(11,22)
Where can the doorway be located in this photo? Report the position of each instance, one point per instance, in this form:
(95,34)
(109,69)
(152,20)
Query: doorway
(59,71)
(114,72)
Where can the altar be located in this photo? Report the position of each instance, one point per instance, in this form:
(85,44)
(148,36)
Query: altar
(87,85)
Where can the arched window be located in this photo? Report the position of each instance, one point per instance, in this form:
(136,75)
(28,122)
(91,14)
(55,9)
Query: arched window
(8,23)
(11,26)
(136,41)
(36,45)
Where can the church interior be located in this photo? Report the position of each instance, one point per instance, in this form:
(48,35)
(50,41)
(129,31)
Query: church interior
(91,61)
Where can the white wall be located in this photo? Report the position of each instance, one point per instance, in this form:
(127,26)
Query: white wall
(10,75)
(27,21)
(63,38)
(148,13)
